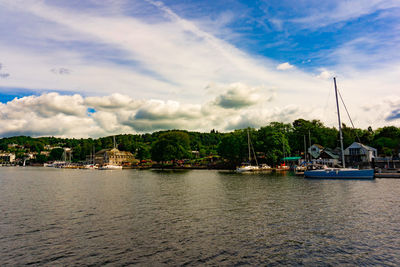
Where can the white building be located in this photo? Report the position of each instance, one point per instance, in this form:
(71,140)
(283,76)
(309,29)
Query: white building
(7,157)
(357,152)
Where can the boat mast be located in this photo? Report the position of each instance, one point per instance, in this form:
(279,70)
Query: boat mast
(340,124)
(248,144)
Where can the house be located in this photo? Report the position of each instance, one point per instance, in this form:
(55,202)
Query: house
(114,156)
(329,157)
(45,153)
(324,156)
(7,157)
(357,153)
(315,150)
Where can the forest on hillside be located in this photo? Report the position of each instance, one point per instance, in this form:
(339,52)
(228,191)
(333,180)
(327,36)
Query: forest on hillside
(272,142)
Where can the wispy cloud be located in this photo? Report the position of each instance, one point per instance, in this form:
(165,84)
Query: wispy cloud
(342,11)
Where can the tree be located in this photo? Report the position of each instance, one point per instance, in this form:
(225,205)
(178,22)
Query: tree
(274,143)
(56,154)
(231,147)
(171,145)
(143,152)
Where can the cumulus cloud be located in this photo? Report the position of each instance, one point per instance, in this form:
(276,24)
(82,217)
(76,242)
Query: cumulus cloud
(63,115)
(285,66)
(67,116)
(114,101)
(238,96)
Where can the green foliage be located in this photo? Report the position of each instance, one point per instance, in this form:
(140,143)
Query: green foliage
(143,152)
(233,146)
(171,145)
(41,159)
(274,142)
(56,154)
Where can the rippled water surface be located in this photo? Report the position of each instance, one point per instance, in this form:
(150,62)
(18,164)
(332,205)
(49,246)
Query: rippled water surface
(84,217)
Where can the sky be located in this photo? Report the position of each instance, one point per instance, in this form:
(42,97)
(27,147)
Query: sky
(91,68)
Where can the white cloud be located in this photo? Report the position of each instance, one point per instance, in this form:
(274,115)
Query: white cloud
(67,116)
(238,96)
(284,66)
(325,74)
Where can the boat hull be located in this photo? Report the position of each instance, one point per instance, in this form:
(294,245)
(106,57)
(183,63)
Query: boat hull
(111,167)
(340,174)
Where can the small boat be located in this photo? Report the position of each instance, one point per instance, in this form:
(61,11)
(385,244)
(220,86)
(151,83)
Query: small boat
(247,167)
(340,173)
(90,167)
(110,167)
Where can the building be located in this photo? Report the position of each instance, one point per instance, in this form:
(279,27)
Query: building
(359,153)
(324,156)
(45,153)
(315,150)
(7,157)
(329,157)
(114,156)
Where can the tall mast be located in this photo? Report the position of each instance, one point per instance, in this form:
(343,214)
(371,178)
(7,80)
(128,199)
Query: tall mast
(340,124)
(114,141)
(305,149)
(248,144)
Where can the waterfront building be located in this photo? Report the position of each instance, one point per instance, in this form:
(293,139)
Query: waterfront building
(7,157)
(324,155)
(113,156)
(358,153)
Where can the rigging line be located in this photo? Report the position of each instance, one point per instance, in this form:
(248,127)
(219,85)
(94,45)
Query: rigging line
(352,124)
(254,153)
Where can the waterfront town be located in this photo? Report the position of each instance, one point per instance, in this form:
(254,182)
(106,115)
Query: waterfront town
(279,146)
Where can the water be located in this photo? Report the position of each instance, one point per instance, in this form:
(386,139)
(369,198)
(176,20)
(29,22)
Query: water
(58,217)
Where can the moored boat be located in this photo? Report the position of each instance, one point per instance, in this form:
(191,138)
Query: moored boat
(340,173)
(110,167)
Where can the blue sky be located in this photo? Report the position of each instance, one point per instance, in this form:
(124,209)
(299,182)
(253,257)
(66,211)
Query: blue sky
(197,65)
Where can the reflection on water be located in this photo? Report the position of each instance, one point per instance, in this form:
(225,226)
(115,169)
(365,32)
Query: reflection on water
(82,217)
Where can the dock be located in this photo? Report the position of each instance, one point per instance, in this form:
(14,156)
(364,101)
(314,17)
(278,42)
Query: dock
(395,175)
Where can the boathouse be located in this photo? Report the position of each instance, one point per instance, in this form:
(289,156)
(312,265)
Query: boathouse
(358,153)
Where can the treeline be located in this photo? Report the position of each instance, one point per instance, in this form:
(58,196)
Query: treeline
(270,142)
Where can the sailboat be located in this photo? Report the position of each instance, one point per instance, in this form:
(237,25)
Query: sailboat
(247,167)
(340,173)
(93,165)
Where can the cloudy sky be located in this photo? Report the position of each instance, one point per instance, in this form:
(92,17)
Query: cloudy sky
(99,67)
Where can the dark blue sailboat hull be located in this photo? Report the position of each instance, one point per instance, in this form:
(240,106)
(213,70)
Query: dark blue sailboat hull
(340,174)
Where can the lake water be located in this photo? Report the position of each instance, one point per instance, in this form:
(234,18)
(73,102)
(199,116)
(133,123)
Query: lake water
(86,217)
